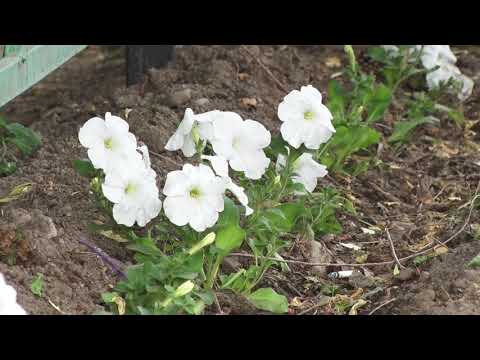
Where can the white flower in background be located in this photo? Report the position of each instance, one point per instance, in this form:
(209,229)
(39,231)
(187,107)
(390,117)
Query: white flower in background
(241,143)
(306,170)
(108,141)
(133,190)
(191,130)
(8,300)
(442,56)
(194,196)
(305,119)
(220,166)
(447,72)
(433,55)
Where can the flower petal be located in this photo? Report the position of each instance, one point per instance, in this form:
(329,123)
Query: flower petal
(116,124)
(188,148)
(124,214)
(258,136)
(92,133)
(219,164)
(176,183)
(178,209)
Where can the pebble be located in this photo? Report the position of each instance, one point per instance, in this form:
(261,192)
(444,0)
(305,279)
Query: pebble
(180,98)
(358,280)
(202,102)
(406,274)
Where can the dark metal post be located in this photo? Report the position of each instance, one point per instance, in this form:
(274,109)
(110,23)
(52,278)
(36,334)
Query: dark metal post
(141,58)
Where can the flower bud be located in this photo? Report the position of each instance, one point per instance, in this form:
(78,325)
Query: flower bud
(351,56)
(184,289)
(207,240)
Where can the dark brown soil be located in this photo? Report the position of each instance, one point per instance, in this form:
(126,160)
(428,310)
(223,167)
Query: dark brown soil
(418,191)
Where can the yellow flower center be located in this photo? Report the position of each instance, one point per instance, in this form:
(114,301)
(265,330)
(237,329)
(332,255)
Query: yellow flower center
(108,143)
(308,115)
(130,188)
(195,193)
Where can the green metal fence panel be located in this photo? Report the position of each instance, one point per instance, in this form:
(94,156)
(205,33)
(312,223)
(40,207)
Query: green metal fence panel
(22,66)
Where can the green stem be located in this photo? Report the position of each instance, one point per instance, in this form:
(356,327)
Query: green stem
(212,274)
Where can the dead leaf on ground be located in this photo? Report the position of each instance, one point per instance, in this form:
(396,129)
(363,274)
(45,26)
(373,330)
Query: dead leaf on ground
(444,150)
(333,62)
(249,102)
(356,306)
(243,76)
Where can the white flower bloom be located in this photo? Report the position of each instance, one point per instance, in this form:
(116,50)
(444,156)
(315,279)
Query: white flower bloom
(108,141)
(306,170)
(433,55)
(442,56)
(194,196)
(8,300)
(305,119)
(192,129)
(220,166)
(241,143)
(133,190)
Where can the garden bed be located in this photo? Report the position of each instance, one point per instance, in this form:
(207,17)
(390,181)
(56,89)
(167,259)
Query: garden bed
(420,191)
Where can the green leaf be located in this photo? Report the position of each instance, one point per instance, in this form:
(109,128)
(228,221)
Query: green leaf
(284,217)
(403,129)
(84,168)
(475,263)
(457,116)
(7,168)
(37,285)
(347,141)
(24,138)
(109,297)
(267,299)
(230,214)
(276,147)
(336,99)
(229,234)
(327,223)
(419,260)
(229,238)
(16,193)
(378,103)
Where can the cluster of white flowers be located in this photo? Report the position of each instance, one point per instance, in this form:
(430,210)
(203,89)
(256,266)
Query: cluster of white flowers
(195,194)
(130,182)
(8,300)
(443,57)
(240,144)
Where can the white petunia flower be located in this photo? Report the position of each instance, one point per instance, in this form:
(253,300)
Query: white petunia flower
(133,190)
(220,166)
(305,119)
(108,141)
(241,143)
(8,300)
(442,56)
(192,129)
(306,170)
(433,55)
(194,196)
